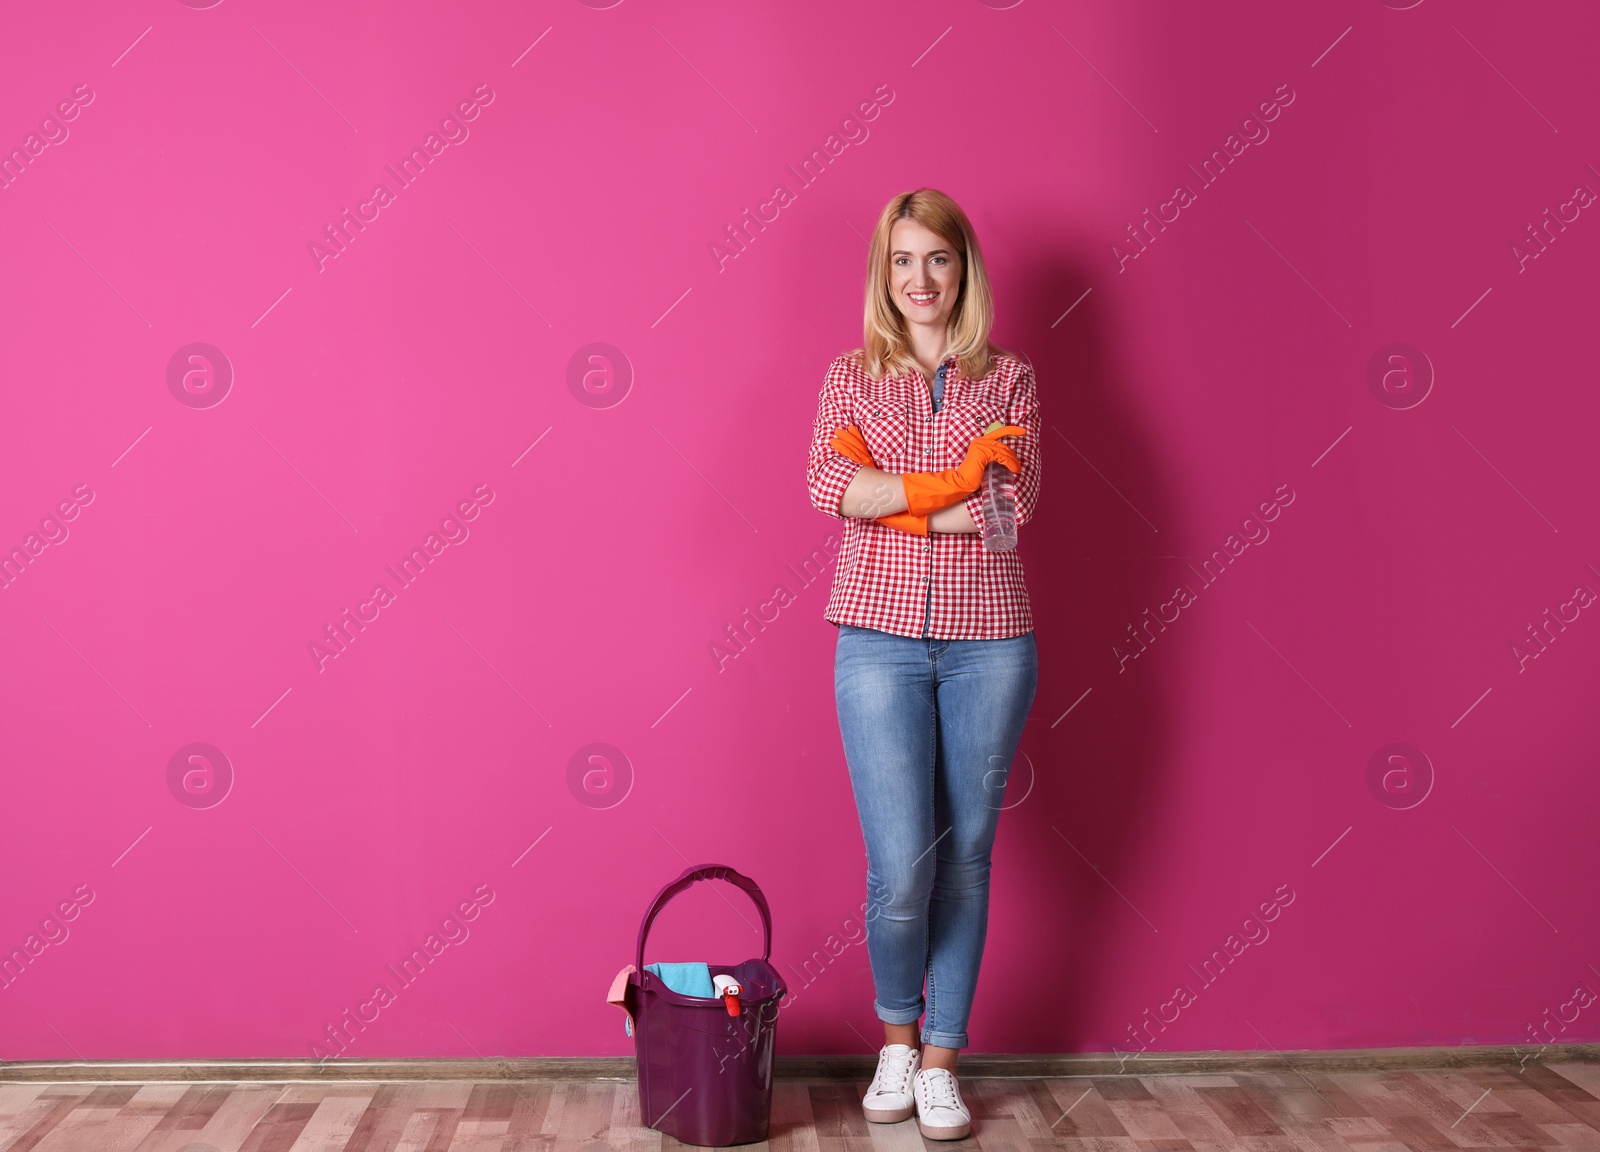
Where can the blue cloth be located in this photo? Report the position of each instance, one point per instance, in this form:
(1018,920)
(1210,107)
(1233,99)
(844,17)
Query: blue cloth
(938,386)
(685,979)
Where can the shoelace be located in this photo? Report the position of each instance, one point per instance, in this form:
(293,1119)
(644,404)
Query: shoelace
(940,1088)
(893,1072)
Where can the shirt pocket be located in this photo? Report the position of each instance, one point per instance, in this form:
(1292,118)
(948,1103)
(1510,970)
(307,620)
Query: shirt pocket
(965,422)
(883,427)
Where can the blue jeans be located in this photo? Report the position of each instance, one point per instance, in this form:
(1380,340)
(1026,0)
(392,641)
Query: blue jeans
(930,727)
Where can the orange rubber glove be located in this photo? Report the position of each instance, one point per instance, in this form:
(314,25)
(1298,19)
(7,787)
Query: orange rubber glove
(930,491)
(848,441)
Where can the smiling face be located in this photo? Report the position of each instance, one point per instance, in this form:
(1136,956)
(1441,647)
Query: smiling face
(924,274)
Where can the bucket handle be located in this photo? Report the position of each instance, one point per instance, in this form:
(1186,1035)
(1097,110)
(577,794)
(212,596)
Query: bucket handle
(692,875)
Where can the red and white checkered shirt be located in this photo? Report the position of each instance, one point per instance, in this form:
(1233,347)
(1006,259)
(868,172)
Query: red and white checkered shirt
(945,585)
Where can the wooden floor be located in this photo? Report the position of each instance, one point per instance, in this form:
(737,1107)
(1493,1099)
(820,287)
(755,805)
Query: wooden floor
(1542,1106)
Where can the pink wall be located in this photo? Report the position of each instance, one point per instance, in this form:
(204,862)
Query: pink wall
(613,529)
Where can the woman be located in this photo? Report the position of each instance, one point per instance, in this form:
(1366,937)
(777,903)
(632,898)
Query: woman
(935,666)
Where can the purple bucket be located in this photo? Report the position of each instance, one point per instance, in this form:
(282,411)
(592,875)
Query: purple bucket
(705,1077)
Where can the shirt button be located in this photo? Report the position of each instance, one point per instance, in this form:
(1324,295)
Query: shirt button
(928,452)
(924,579)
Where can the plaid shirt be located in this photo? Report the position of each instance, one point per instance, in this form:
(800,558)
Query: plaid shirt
(945,585)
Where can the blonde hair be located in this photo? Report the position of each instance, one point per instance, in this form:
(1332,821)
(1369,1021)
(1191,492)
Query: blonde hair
(885,346)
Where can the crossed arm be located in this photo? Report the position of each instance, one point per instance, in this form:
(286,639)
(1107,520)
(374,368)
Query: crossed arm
(873,493)
(847,483)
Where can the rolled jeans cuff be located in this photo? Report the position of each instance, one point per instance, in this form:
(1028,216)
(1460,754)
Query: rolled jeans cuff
(945,1039)
(899,1015)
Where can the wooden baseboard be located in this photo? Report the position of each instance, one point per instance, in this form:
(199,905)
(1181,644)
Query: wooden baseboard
(788,1067)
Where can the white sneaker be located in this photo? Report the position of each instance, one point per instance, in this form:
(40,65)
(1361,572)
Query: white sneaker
(890,1098)
(941,1115)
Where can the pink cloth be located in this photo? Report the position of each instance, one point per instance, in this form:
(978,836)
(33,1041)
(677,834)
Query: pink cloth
(619,994)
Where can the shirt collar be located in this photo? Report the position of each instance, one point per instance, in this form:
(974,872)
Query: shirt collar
(949,362)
